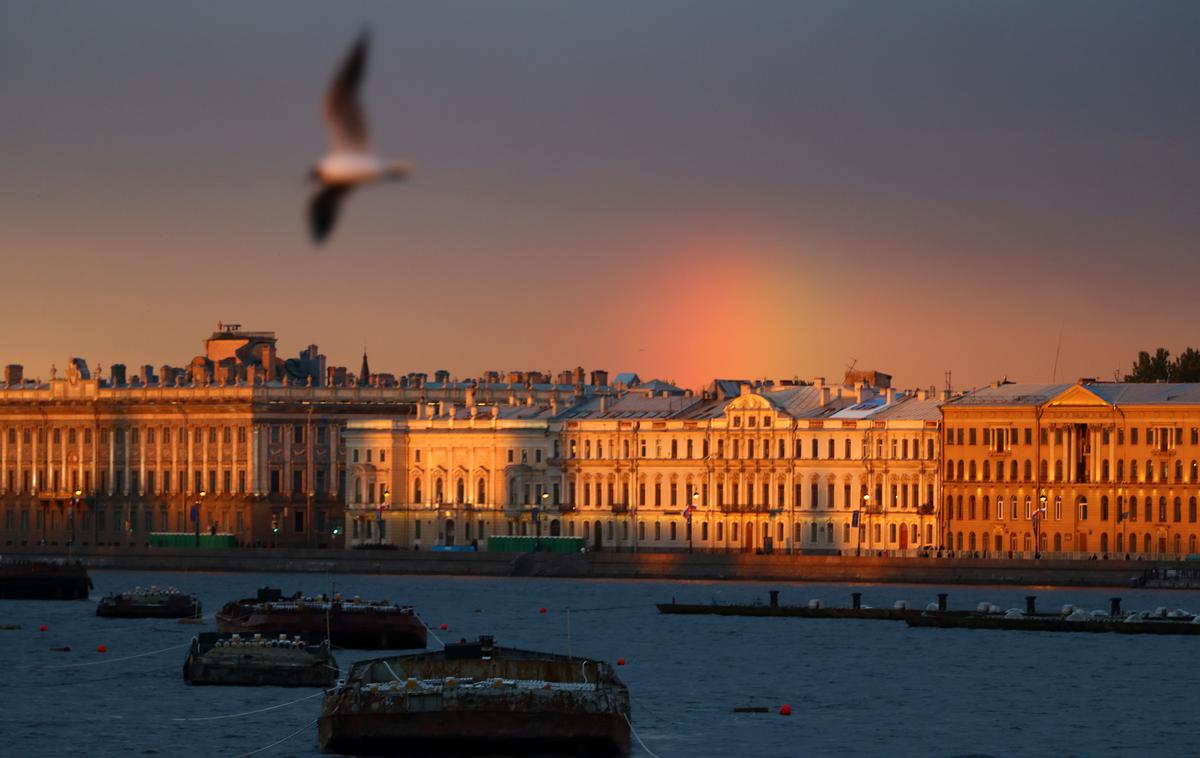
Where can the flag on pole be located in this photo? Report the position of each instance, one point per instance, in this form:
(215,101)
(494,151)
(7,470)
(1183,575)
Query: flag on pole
(687,511)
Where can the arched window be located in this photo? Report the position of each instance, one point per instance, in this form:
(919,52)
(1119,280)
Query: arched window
(1012,470)
(460,491)
(971,510)
(417,490)
(1191,510)
(950,470)
(1162,510)
(749,448)
(1057,542)
(1192,545)
(1177,512)
(1043,470)
(1146,546)
(512,491)
(439,490)
(481,491)
(984,513)
(973,471)
(987,471)
(1104,471)
(1178,546)
(1058,471)
(1104,507)
(1192,473)
(929,450)
(1178,472)
(1028,470)
(1104,543)
(1133,471)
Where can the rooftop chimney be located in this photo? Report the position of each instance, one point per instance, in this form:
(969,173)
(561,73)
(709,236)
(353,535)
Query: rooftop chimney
(14,374)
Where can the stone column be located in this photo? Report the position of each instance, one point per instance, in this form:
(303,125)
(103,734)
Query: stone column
(252,460)
(188,478)
(111,485)
(33,457)
(158,468)
(19,485)
(126,469)
(141,488)
(204,459)
(79,452)
(4,459)
(234,431)
(219,485)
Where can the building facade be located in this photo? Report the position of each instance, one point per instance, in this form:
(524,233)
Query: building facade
(239,442)
(1089,469)
(741,466)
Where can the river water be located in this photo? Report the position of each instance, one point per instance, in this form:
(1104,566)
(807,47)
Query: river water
(855,687)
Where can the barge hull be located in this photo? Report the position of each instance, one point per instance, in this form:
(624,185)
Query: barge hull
(474,733)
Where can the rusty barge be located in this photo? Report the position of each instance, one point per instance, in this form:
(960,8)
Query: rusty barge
(164,603)
(231,659)
(477,698)
(43,580)
(353,623)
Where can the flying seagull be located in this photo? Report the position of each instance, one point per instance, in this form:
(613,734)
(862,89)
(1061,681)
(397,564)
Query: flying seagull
(350,163)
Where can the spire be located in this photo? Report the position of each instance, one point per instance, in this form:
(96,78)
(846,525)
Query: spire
(364,374)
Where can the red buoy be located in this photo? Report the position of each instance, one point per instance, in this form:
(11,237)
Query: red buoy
(43,628)
(785,710)
(620,661)
(541,610)
(444,627)
(101,649)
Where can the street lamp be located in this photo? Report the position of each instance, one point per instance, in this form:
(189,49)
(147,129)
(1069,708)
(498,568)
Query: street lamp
(863,522)
(71,515)
(1038,515)
(379,517)
(196,515)
(691,507)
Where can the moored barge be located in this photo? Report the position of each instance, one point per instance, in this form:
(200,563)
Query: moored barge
(353,623)
(477,698)
(816,609)
(43,580)
(1069,619)
(248,661)
(164,603)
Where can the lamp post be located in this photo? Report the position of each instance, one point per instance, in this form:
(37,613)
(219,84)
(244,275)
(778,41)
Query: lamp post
(1038,515)
(863,523)
(1079,516)
(71,515)
(537,521)
(379,518)
(691,507)
(196,514)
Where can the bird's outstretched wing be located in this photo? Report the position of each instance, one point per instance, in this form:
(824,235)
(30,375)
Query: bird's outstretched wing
(344,115)
(323,210)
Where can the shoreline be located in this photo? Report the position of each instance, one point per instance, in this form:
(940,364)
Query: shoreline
(606,565)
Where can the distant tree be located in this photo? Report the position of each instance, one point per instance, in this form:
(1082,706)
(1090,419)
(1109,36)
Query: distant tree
(1147,368)
(1187,366)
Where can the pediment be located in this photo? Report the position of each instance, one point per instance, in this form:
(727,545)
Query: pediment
(1079,395)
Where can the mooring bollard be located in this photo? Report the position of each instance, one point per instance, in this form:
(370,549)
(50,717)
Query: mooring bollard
(1030,604)
(856,600)
(1114,606)
(942,601)
(774,598)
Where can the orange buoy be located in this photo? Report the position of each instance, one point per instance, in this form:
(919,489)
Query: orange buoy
(444,627)
(785,710)
(101,649)
(43,628)
(620,661)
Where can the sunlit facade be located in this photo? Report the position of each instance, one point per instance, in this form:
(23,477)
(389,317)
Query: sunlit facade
(756,467)
(1074,470)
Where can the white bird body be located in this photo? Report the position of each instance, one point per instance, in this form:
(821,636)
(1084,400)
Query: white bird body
(343,167)
(350,163)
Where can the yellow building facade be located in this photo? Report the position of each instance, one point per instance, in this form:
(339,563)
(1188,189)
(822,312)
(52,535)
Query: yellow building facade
(739,467)
(1090,469)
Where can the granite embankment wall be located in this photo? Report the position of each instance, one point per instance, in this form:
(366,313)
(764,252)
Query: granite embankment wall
(602,565)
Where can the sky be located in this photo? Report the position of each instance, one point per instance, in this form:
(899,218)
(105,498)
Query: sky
(681,189)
